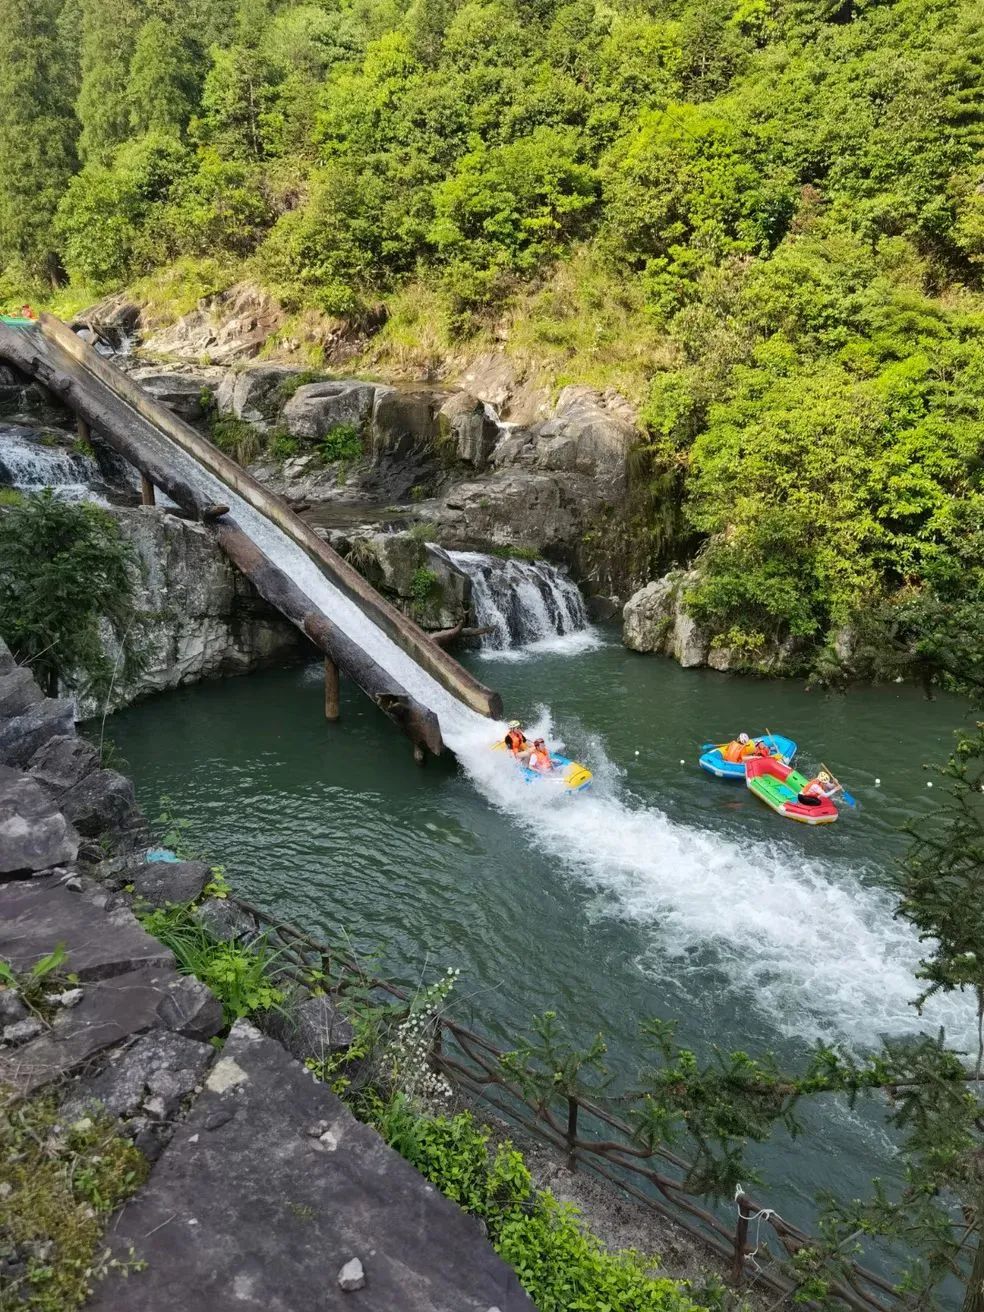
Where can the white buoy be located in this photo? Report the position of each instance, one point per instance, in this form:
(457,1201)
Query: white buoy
(878,783)
(682,761)
(929,783)
(637,751)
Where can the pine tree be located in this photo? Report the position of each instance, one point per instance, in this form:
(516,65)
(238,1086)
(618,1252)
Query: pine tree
(109,36)
(164,78)
(37,136)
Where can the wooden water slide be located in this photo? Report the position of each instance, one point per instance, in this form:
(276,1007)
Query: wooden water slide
(205,483)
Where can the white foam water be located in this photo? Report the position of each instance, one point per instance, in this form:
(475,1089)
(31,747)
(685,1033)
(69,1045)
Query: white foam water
(30,464)
(529,606)
(810,945)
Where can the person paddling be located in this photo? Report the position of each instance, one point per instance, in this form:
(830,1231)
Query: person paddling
(540,757)
(820,787)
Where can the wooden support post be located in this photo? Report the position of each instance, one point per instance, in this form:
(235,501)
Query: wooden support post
(84,431)
(147,495)
(331,690)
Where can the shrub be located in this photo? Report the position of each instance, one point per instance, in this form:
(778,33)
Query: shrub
(343,442)
(239,976)
(64,568)
(560,1264)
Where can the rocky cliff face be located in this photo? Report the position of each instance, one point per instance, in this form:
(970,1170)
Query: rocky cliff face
(543,480)
(199,618)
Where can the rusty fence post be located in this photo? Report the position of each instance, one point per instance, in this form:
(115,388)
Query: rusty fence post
(741,1239)
(571,1136)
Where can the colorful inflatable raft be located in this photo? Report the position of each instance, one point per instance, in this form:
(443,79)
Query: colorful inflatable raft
(574,777)
(714,763)
(779,786)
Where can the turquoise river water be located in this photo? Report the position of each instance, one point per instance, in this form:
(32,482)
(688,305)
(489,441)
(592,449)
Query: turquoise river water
(662,892)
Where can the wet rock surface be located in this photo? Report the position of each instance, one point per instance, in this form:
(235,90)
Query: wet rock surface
(112,1011)
(161,882)
(34,835)
(36,917)
(222,1225)
(24,734)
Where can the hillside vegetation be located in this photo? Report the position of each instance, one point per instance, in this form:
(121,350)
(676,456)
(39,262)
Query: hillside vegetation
(761,219)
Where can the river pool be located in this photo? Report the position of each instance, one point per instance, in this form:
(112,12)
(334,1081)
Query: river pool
(661,892)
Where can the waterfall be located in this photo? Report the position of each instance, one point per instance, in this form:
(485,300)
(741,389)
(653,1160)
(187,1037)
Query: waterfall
(521,601)
(32,460)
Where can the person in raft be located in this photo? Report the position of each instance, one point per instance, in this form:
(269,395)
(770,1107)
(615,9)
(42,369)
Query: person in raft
(741,748)
(540,758)
(516,741)
(823,785)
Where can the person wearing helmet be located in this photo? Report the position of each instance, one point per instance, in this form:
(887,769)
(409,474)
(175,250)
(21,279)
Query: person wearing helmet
(516,741)
(823,785)
(540,757)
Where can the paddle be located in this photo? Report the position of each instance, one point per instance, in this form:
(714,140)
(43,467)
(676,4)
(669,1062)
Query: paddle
(846,796)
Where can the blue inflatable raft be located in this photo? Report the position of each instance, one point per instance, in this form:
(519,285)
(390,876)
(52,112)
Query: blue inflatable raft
(714,763)
(571,775)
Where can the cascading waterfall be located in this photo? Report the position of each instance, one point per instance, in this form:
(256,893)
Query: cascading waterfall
(28,463)
(521,601)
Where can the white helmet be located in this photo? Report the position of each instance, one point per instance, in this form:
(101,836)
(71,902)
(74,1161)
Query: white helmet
(743,737)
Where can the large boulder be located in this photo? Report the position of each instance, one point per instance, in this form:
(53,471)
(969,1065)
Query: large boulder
(21,736)
(316,408)
(515,507)
(187,394)
(468,426)
(255,393)
(7,662)
(34,835)
(18,692)
(101,803)
(113,321)
(405,439)
(589,434)
(63,762)
(655,619)
(419,578)
(312,1028)
(164,882)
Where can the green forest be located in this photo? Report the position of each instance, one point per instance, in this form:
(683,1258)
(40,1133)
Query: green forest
(761,220)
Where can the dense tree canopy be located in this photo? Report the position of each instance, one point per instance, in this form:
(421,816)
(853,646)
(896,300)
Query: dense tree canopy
(781,206)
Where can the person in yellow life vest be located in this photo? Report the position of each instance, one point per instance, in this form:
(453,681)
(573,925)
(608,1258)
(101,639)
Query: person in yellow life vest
(738,749)
(516,741)
(540,757)
(823,785)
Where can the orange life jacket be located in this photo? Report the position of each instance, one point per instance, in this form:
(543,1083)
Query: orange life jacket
(815,788)
(540,759)
(515,741)
(733,751)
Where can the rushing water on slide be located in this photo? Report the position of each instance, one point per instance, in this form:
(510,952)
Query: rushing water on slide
(662,892)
